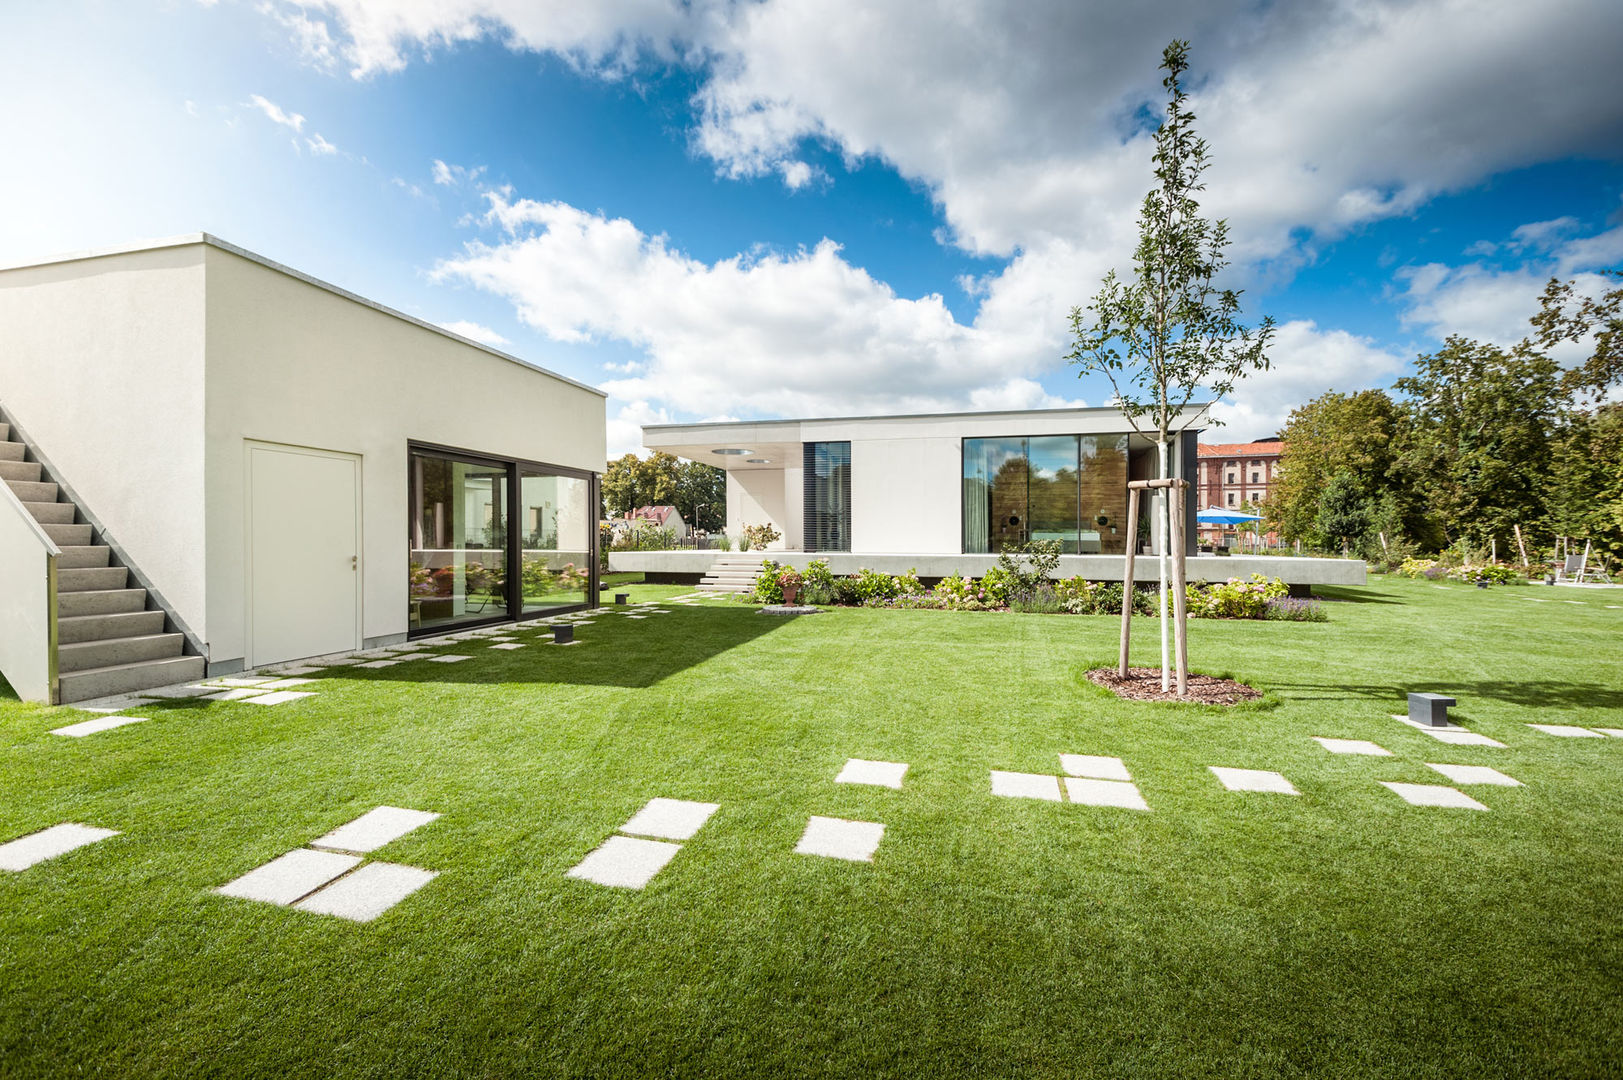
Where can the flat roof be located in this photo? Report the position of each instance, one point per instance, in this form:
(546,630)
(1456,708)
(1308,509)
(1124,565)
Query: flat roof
(1199,408)
(213,241)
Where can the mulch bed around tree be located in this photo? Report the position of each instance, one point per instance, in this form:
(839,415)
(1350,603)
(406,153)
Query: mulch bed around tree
(1144,684)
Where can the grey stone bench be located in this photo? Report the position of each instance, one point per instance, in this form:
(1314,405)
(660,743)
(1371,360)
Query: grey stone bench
(1430,709)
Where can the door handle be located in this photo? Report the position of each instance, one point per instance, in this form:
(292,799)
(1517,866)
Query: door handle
(354,562)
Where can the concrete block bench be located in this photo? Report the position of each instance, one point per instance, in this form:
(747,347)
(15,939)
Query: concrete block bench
(1430,709)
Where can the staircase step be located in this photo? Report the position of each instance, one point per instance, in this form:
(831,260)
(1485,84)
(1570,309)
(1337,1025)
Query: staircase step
(12,451)
(100,578)
(118,651)
(20,470)
(73,605)
(84,557)
(33,490)
(50,512)
(69,535)
(73,630)
(5,432)
(127,678)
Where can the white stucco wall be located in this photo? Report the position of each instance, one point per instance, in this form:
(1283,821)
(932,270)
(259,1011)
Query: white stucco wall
(101,363)
(757,497)
(291,362)
(906,495)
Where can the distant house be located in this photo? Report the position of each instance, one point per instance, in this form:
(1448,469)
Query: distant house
(665,517)
(1232,476)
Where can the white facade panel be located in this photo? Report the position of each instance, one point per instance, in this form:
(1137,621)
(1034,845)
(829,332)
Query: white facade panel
(907,495)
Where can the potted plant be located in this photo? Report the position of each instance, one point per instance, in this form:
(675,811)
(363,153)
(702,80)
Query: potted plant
(789,581)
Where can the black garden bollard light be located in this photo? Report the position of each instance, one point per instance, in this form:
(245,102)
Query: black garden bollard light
(563,633)
(622,598)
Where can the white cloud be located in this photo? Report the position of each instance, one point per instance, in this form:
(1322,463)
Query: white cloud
(625,427)
(451,175)
(475,332)
(803,333)
(796,174)
(319,146)
(276,114)
(1306,362)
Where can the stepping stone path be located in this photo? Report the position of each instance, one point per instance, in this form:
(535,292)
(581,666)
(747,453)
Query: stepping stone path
(1353,746)
(1253,780)
(35,848)
(1567,731)
(301,878)
(1014,785)
(836,838)
(876,773)
(1095,766)
(1453,734)
(630,862)
(1097,780)
(1475,774)
(1433,795)
(509,645)
(91,727)
(449,658)
(280,697)
(1616,733)
(378,664)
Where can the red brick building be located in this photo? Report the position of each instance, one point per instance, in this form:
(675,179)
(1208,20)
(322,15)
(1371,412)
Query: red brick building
(1233,476)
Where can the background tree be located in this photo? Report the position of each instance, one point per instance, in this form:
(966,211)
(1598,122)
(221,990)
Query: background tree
(1564,315)
(701,495)
(1171,332)
(1344,514)
(1586,489)
(1333,433)
(630,482)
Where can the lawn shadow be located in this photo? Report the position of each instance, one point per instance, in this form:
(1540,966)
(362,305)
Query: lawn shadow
(1532,693)
(1354,594)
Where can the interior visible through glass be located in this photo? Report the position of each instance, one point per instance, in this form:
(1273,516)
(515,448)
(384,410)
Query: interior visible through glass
(1067,488)
(458,542)
(555,534)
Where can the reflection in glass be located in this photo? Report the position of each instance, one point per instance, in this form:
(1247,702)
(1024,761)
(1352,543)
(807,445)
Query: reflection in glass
(555,537)
(995,481)
(459,541)
(1068,488)
(826,501)
(1053,490)
(1103,485)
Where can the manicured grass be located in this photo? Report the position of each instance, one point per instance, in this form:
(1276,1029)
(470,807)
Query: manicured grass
(1339,933)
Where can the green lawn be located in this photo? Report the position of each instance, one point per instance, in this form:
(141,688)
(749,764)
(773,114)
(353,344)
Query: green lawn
(1339,933)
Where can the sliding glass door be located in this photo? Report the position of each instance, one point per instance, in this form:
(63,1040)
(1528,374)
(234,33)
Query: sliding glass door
(493,539)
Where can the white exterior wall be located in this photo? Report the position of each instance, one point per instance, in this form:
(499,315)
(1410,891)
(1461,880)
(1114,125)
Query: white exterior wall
(758,497)
(907,495)
(290,362)
(101,364)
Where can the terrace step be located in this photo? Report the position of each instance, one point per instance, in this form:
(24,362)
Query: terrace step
(34,491)
(76,605)
(127,678)
(12,451)
(27,471)
(117,652)
(68,535)
(92,578)
(119,624)
(49,512)
(84,557)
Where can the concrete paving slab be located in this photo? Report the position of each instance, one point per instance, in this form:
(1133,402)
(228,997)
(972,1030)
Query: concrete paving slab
(1016,785)
(279,697)
(1353,746)
(240,694)
(1567,731)
(1475,774)
(877,773)
(91,727)
(292,876)
(368,892)
(1090,791)
(449,658)
(509,645)
(836,838)
(1616,733)
(375,828)
(286,684)
(1453,734)
(376,665)
(35,848)
(297,669)
(176,693)
(625,862)
(670,819)
(236,681)
(407,657)
(1433,795)
(1094,765)
(1253,780)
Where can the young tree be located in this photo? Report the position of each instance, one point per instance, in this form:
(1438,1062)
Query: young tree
(1170,332)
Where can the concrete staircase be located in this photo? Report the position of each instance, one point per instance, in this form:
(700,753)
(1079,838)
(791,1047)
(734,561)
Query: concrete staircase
(733,572)
(113,639)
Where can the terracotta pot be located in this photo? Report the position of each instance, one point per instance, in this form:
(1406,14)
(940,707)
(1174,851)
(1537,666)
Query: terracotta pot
(790,593)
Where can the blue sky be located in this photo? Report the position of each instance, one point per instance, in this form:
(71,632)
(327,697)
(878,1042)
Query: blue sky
(787,207)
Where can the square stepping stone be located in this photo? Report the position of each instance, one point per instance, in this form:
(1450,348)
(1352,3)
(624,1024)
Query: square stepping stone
(297,669)
(1017,785)
(368,892)
(239,694)
(1253,780)
(1353,746)
(26,851)
(407,657)
(1616,733)
(878,773)
(1454,735)
(1475,774)
(175,693)
(1090,791)
(670,819)
(1094,765)
(376,664)
(449,658)
(836,838)
(330,661)
(636,616)
(1433,795)
(255,681)
(624,862)
(290,877)
(101,723)
(375,828)
(286,684)
(1567,731)
(279,697)
(509,645)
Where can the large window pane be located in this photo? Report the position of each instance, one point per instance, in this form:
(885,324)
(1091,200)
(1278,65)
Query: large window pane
(1104,495)
(996,475)
(1053,490)
(459,541)
(826,482)
(555,535)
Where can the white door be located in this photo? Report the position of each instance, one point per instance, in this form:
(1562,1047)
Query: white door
(304,548)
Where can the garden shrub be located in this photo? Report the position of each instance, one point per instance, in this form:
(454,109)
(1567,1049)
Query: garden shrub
(768,590)
(1234,599)
(1493,573)
(1293,609)
(759,536)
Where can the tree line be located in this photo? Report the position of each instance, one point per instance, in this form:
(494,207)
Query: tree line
(698,491)
(1476,442)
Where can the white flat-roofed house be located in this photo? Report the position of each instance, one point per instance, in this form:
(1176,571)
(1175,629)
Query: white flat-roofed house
(214,462)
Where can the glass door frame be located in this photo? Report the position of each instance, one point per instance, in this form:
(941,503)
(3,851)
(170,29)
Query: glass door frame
(515,468)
